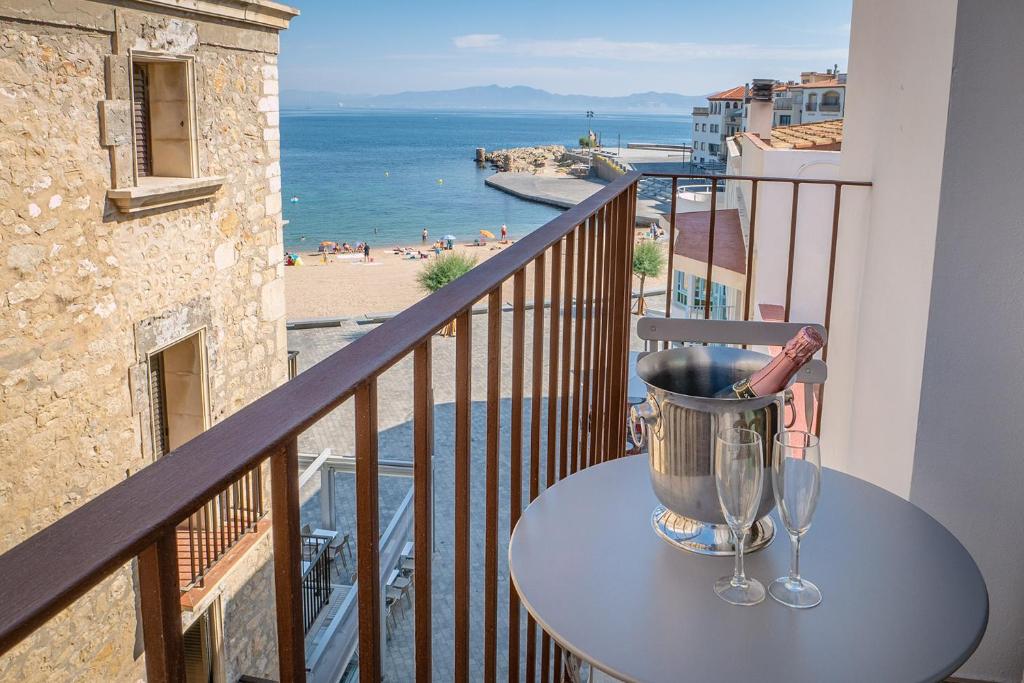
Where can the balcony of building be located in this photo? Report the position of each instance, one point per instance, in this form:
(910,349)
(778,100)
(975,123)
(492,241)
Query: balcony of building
(532,389)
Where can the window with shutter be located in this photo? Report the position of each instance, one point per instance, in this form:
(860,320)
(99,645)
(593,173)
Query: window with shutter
(158,399)
(140,112)
(196,641)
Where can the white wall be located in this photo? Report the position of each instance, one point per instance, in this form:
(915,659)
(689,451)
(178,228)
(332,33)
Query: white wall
(901,57)
(771,239)
(969,462)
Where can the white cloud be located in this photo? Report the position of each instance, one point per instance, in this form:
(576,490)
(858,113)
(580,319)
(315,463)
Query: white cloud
(644,51)
(477,40)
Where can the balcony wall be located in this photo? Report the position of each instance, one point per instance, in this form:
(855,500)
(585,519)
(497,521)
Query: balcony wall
(925,284)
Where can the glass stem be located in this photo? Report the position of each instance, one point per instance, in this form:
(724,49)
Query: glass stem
(738,577)
(794,563)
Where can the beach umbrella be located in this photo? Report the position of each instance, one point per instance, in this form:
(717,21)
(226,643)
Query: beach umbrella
(449,237)
(487,233)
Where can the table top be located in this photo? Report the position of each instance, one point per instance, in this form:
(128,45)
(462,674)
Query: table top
(902,598)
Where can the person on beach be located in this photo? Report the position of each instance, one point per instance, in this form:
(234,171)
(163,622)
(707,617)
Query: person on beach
(424,236)
(504,233)
(366,252)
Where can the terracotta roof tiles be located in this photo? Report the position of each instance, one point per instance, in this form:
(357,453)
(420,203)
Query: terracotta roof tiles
(808,135)
(736,93)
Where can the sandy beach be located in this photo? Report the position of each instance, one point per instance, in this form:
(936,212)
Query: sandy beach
(347,287)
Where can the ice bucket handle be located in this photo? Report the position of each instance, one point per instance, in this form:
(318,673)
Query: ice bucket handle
(642,417)
(790,400)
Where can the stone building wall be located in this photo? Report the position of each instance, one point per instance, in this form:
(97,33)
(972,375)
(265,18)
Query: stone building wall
(85,290)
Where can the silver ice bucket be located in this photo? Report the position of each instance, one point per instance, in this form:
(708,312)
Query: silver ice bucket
(679,422)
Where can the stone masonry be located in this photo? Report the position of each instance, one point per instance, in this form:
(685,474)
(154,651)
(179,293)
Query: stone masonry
(87,291)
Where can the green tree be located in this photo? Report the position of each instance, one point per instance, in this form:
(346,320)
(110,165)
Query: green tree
(442,270)
(648,261)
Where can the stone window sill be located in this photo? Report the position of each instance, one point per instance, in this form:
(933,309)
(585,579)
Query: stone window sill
(159,193)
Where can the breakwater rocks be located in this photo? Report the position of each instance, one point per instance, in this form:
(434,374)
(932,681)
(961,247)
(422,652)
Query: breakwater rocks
(526,159)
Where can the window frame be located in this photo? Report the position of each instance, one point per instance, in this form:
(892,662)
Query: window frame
(204,383)
(188,61)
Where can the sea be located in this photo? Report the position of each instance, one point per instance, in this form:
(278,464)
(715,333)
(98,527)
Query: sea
(382,176)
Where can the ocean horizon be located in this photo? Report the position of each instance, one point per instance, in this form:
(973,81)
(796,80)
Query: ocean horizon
(378,175)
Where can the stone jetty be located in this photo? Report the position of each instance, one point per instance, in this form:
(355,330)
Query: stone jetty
(526,159)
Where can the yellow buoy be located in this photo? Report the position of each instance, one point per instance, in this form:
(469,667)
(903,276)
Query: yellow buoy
(440,181)
(386,174)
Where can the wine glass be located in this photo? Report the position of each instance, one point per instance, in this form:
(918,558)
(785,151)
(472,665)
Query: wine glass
(796,478)
(739,478)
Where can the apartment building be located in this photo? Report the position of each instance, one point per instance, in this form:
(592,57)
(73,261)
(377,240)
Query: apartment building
(819,96)
(143,301)
(713,123)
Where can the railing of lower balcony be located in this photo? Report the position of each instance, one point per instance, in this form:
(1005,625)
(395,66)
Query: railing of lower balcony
(316,578)
(217,526)
(580,263)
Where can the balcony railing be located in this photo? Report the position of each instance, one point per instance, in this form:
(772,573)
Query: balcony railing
(316,578)
(832,108)
(578,267)
(782,103)
(209,533)
(579,262)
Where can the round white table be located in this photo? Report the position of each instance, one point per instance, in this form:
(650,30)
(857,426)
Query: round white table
(903,600)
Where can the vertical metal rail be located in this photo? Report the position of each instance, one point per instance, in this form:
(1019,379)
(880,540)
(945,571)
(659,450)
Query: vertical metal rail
(623,299)
(536,387)
(586,416)
(616,274)
(423,447)
(160,597)
(600,322)
(577,361)
(463,407)
(552,418)
(491,485)
(284,501)
(669,282)
(792,247)
(553,338)
(711,250)
(367,534)
(836,201)
(626,330)
(516,454)
(748,285)
(567,339)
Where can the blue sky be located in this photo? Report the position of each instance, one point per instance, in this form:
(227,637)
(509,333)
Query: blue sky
(598,47)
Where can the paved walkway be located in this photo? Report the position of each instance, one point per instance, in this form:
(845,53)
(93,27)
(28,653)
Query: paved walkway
(395,423)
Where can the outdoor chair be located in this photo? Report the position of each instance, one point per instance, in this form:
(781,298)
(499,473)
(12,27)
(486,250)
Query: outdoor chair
(339,546)
(737,332)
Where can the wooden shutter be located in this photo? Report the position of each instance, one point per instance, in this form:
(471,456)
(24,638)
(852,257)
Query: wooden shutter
(158,400)
(196,641)
(140,112)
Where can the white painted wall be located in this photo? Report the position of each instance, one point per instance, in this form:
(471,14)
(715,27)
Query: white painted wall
(901,56)
(771,238)
(969,461)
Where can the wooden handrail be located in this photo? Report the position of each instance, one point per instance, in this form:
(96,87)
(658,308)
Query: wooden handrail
(104,533)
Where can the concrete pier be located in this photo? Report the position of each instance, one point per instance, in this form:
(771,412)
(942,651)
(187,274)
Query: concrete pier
(565,192)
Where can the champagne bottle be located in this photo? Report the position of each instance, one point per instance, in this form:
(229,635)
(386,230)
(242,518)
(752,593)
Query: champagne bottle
(775,376)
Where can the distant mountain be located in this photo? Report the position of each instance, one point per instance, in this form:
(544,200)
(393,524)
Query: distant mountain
(515,98)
